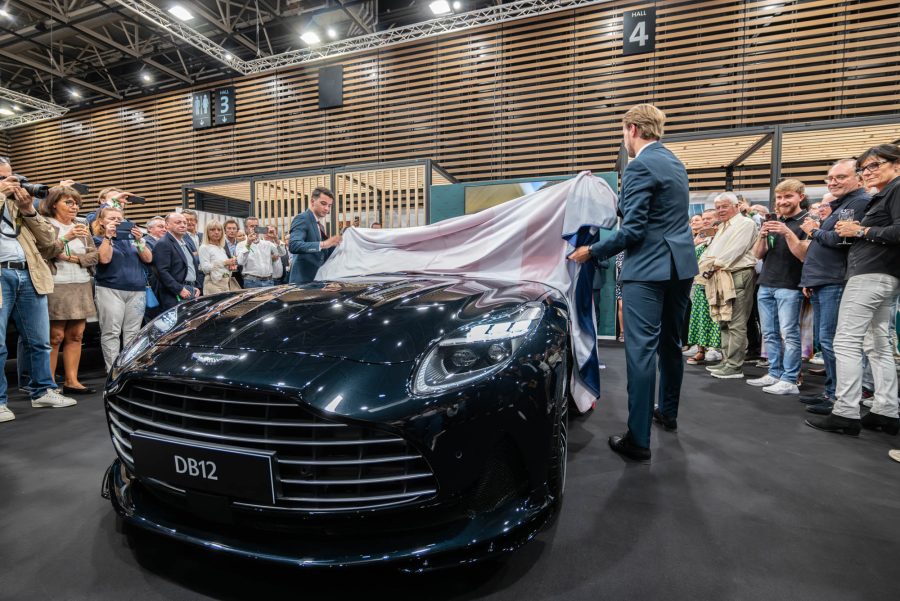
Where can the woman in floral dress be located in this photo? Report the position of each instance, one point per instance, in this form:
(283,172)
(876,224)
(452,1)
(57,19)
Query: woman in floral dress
(703,331)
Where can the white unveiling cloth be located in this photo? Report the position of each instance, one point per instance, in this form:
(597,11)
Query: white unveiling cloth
(527,238)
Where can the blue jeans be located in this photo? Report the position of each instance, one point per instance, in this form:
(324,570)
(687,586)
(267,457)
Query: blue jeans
(254,283)
(779,318)
(22,303)
(826,300)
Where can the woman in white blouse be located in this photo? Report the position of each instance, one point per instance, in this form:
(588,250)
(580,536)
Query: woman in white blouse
(72,301)
(214,262)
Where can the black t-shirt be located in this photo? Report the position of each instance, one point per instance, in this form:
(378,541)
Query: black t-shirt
(781,269)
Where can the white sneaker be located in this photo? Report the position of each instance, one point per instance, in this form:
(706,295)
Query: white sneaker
(782,387)
(817,359)
(713,355)
(766,380)
(5,414)
(52,398)
(894,454)
(690,352)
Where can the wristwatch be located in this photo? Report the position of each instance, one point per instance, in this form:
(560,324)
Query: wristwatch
(861,232)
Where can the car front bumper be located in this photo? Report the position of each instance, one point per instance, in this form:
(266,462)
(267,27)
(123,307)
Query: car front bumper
(305,540)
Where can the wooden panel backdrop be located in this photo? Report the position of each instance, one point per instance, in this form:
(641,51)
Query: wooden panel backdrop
(529,98)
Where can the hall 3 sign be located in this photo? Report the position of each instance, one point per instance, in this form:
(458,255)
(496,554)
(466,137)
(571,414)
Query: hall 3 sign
(639,31)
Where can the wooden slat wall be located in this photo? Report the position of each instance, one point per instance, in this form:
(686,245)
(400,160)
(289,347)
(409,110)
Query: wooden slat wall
(542,96)
(279,200)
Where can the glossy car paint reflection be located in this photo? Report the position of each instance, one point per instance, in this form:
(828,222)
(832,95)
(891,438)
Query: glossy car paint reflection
(347,352)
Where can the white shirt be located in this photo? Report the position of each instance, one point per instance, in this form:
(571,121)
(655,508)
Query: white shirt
(212,262)
(641,149)
(732,247)
(257,259)
(66,272)
(10,249)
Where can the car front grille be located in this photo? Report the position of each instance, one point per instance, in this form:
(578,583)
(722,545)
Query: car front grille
(323,465)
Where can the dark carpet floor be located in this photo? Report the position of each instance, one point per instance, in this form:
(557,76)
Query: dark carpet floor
(744,502)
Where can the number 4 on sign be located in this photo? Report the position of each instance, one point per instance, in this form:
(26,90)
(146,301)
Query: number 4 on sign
(639,34)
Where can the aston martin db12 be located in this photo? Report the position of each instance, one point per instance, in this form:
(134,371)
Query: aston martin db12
(407,419)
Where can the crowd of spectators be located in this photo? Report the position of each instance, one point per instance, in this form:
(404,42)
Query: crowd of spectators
(839,258)
(59,270)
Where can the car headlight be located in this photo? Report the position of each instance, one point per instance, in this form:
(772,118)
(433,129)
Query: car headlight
(147,337)
(475,351)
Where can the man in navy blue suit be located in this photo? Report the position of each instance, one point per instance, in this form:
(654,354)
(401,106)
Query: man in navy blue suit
(657,273)
(309,243)
(177,267)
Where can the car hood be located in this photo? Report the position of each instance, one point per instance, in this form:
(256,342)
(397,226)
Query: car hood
(373,319)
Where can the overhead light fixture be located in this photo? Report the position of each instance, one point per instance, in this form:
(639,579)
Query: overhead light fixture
(181,12)
(75,93)
(311,38)
(17,108)
(457,5)
(5,13)
(146,77)
(6,111)
(332,33)
(439,7)
(228,57)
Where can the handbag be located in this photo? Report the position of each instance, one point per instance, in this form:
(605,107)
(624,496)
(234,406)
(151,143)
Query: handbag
(150,298)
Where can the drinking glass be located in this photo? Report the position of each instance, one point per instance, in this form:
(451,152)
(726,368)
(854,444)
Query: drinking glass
(845,215)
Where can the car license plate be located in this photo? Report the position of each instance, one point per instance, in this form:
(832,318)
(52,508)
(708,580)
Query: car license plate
(231,471)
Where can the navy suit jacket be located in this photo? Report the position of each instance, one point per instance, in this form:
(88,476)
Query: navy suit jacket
(655,233)
(171,271)
(304,245)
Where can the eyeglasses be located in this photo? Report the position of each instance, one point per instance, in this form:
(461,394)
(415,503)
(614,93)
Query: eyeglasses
(71,203)
(871,167)
(837,178)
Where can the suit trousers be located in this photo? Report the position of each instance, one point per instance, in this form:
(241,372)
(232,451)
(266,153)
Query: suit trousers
(734,332)
(653,315)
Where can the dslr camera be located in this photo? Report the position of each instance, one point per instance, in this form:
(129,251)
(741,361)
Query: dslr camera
(36,190)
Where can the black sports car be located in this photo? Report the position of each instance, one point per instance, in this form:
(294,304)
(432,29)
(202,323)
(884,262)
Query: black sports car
(412,419)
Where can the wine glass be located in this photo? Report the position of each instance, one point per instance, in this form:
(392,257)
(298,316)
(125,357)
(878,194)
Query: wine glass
(845,215)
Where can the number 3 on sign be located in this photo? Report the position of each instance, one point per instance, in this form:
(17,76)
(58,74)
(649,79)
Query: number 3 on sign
(639,34)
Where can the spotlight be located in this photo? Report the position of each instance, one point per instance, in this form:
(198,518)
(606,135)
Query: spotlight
(146,77)
(311,38)
(457,5)
(17,108)
(332,33)
(6,111)
(5,13)
(228,57)
(439,7)
(75,93)
(181,12)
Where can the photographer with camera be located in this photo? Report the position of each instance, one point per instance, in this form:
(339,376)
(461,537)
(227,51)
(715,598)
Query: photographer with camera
(72,301)
(120,280)
(115,198)
(27,240)
(257,255)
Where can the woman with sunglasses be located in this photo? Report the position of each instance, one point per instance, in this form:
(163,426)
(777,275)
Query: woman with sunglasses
(72,301)
(870,296)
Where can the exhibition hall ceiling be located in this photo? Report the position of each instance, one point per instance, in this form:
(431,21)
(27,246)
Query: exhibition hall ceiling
(76,53)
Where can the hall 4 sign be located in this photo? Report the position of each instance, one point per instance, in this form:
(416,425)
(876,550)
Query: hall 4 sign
(639,31)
